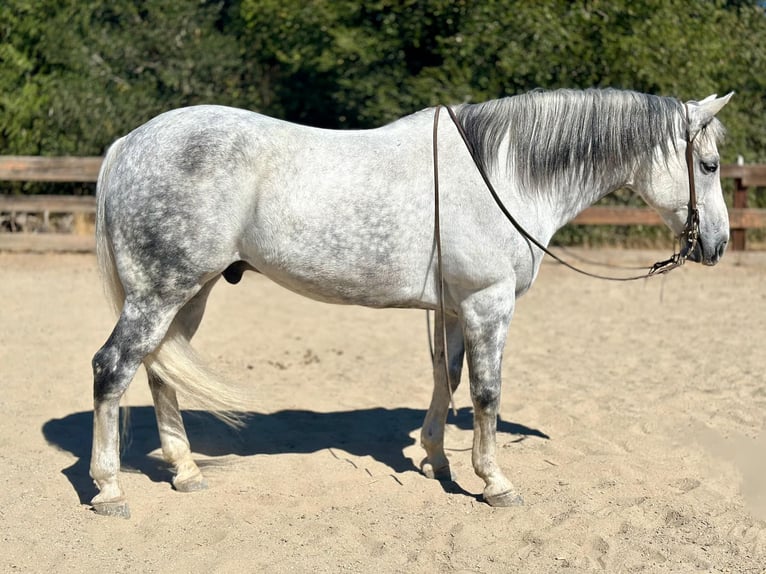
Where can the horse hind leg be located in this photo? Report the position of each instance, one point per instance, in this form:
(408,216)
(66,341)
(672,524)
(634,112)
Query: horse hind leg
(175,444)
(139,330)
(436,465)
(176,450)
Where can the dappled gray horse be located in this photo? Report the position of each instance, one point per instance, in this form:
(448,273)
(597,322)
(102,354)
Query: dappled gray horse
(348,217)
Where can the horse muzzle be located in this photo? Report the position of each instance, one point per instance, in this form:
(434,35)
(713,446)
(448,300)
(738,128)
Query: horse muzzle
(706,253)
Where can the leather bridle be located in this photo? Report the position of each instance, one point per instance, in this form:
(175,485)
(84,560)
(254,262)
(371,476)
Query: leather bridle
(691,233)
(689,236)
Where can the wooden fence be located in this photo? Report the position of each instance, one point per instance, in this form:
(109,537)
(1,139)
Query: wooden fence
(85,169)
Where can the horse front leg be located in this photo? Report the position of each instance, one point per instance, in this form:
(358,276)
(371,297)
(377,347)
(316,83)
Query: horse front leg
(486,316)
(436,465)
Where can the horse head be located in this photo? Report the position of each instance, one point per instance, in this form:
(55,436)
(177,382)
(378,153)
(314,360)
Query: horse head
(665,184)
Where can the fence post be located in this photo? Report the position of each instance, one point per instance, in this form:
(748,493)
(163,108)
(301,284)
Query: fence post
(740,201)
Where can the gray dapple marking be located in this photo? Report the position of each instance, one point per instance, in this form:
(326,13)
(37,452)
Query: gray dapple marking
(347,217)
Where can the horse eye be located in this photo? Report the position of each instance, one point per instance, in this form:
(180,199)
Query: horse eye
(709,166)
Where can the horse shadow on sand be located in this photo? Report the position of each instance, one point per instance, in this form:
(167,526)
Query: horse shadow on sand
(377,432)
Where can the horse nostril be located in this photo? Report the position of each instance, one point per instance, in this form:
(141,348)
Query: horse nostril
(721,249)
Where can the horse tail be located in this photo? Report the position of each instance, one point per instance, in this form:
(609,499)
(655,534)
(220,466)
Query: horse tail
(112,285)
(180,367)
(174,361)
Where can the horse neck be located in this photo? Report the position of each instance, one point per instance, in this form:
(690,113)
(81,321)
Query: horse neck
(571,195)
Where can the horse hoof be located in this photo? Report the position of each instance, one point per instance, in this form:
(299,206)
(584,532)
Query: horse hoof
(504,499)
(443,473)
(118,508)
(190,485)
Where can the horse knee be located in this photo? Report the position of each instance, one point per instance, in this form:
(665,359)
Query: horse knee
(485,397)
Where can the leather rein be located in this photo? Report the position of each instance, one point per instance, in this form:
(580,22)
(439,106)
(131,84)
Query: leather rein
(689,236)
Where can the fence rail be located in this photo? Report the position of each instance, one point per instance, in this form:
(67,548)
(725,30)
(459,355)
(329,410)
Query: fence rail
(54,169)
(85,169)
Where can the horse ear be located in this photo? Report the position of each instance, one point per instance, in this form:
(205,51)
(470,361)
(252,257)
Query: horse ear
(701,113)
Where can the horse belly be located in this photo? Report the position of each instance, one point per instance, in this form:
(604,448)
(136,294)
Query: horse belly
(331,282)
(355,228)
(363,271)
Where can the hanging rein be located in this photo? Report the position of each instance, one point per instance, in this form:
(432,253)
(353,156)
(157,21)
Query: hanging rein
(689,236)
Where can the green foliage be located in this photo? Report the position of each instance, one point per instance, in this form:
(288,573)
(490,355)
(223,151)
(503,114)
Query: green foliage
(76,74)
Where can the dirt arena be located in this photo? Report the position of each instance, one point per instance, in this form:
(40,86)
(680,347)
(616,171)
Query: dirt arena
(632,422)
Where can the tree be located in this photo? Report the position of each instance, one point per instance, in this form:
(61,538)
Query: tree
(77,75)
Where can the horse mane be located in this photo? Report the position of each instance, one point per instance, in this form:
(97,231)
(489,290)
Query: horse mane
(574,134)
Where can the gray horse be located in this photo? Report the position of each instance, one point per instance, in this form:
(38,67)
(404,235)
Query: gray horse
(348,217)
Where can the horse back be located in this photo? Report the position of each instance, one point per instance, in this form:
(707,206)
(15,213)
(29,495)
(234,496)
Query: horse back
(343,216)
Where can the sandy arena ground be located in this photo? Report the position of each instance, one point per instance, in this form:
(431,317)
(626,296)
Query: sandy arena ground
(632,421)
